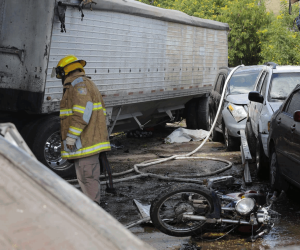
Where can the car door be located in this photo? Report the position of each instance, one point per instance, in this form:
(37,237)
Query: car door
(256,107)
(260,106)
(251,104)
(295,149)
(219,121)
(281,131)
(214,95)
(289,150)
(217,96)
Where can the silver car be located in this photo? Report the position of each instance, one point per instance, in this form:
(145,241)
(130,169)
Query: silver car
(234,111)
(275,83)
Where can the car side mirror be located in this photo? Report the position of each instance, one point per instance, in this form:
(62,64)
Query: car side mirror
(255,96)
(297,116)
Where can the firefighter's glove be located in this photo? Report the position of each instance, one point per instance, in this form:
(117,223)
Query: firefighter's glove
(70,142)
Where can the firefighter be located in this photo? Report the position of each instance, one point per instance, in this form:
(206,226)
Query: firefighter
(83,125)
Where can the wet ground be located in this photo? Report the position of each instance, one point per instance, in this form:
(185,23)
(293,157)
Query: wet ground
(136,150)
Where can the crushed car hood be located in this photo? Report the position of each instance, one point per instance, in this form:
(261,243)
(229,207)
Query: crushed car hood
(275,105)
(241,99)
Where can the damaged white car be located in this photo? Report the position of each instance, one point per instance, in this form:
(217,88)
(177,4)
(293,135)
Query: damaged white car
(272,88)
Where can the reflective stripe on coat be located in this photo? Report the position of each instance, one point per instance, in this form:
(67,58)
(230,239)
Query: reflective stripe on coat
(82,113)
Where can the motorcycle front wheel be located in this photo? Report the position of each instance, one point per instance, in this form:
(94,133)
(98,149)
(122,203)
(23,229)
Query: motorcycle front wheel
(168,208)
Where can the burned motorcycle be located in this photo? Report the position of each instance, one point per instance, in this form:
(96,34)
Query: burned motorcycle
(192,210)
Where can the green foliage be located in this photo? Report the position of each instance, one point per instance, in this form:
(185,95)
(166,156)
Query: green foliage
(166,4)
(208,9)
(256,36)
(244,17)
(279,41)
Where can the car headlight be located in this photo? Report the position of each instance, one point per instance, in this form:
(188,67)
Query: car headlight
(245,206)
(238,112)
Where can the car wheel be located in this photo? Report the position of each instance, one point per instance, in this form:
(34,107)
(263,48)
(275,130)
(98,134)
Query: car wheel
(250,139)
(261,161)
(191,114)
(231,143)
(216,136)
(46,147)
(277,183)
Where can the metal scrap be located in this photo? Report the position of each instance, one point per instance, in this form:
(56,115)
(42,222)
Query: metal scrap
(144,212)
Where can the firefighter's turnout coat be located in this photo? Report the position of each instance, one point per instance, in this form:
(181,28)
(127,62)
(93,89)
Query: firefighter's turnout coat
(82,114)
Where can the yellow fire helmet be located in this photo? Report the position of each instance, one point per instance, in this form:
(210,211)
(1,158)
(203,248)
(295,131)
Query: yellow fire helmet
(68,64)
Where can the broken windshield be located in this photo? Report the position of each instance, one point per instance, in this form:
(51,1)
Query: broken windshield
(242,82)
(282,85)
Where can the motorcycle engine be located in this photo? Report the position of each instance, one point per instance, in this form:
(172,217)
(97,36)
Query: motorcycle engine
(263,216)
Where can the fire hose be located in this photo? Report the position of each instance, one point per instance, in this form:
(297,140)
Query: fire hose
(180,178)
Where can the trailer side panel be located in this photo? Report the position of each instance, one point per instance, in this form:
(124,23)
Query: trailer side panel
(137,59)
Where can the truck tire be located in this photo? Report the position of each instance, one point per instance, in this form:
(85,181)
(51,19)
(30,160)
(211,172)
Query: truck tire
(46,147)
(203,113)
(28,131)
(191,114)
(250,139)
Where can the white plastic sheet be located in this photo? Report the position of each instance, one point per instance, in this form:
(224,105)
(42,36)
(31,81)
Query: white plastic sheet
(185,135)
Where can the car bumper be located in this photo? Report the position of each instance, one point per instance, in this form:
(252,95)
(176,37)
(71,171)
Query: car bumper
(233,127)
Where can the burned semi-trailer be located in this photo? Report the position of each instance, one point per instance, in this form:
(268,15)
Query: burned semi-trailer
(151,65)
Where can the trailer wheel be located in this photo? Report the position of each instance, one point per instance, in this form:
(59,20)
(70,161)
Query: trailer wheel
(191,114)
(28,131)
(203,113)
(46,146)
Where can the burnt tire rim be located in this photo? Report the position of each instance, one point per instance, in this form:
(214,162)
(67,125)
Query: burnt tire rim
(52,153)
(171,211)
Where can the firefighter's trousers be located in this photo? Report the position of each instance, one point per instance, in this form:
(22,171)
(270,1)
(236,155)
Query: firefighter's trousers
(88,174)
